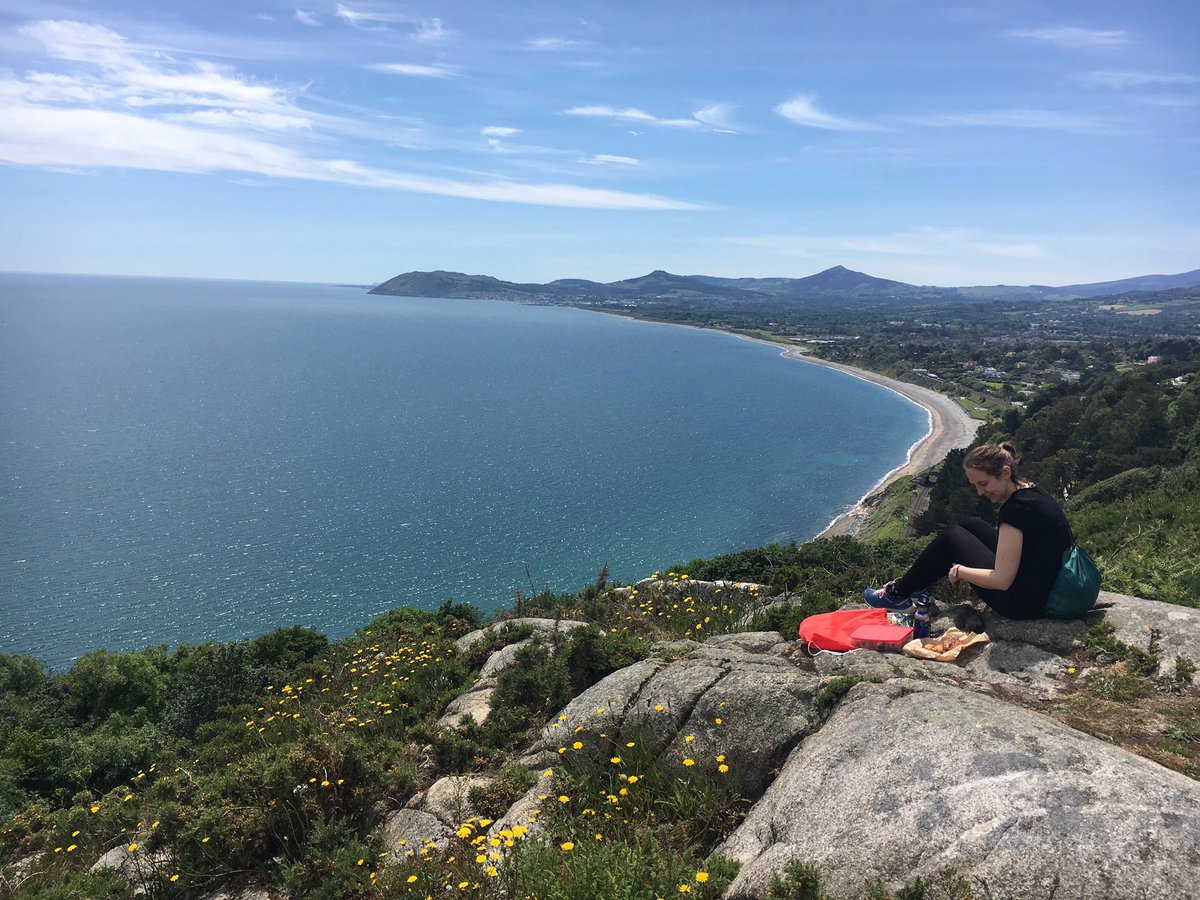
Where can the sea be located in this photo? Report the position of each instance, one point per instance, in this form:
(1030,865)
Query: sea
(197,460)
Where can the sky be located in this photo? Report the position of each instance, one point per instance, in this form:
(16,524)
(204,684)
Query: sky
(948,143)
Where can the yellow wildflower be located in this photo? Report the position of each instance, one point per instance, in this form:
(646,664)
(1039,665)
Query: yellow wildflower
(568,845)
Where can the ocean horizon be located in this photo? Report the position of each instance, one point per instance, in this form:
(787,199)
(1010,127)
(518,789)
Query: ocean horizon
(189,460)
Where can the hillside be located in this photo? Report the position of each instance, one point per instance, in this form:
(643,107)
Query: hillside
(836,287)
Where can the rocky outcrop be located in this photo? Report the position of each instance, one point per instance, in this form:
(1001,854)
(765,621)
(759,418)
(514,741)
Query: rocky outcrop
(718,699)
(477,702)
(432,816)
(907,768)
(908,778)
(924,767)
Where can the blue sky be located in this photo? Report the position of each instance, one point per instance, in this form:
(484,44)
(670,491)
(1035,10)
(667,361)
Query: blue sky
(969,142)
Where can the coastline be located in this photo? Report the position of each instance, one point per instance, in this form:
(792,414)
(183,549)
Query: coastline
(950,428)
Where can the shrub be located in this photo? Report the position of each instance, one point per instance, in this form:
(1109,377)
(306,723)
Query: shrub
(799,881)
(832,692)
(510,783)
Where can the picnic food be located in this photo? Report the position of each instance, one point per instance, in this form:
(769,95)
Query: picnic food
(948,642)
(945,648)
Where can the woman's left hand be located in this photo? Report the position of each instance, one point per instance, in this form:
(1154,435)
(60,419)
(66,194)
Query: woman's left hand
(953,574)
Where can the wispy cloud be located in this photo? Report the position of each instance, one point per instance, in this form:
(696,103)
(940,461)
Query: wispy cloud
(304,17)
(88,139)
(369,18)
(555,43)
(630,114)
(803,110)
(142,109)
(432,32)
(607,159)
(239,118)
(1071,37)
(415,70)
(499,131)
(717,115)
(144,78)
(1050,120)
(714,117)
(1121,80)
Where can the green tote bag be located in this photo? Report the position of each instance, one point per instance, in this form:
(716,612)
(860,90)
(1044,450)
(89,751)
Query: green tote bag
(1076,587)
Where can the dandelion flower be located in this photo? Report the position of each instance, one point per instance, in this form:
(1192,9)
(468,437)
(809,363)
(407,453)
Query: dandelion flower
(205,840)
(412,878)
(71,849)
(702,877)
(659,707)
(563,798)
(689,761)
(685,889)
(578,745)
(722,768)
(616,760)
(568,845)
(95,809)
(690,738)
(133,847)
(175,877)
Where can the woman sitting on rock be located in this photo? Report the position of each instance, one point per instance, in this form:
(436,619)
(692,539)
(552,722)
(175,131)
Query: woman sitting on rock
(1011,568)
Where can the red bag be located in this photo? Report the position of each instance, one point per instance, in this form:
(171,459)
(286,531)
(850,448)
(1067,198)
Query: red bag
(831,630)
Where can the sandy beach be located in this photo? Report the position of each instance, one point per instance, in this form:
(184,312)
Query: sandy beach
(949,428)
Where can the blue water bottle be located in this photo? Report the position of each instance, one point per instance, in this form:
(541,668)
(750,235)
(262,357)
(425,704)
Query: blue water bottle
(921,618)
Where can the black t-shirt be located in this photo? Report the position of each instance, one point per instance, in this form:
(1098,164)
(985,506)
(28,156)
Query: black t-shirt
(1045,535)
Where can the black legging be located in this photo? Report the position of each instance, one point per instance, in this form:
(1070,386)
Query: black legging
(971,543)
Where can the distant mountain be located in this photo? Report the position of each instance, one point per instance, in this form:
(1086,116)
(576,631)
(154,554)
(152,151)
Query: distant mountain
(658,285)
(837,286)
(838,280)
(1141,283)
(1095,289)
(453,284)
